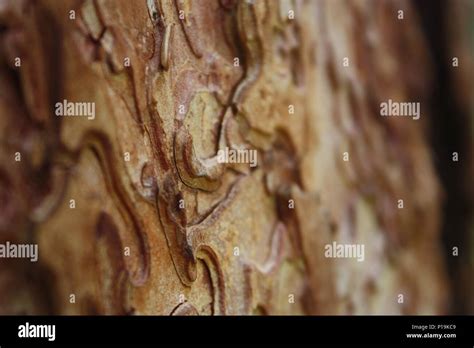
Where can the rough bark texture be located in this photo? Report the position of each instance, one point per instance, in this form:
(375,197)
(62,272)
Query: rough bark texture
(207,237)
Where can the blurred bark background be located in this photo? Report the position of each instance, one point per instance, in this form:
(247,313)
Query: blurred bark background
(134,215)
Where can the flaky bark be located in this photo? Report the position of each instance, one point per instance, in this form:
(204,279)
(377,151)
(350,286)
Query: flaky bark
(206,237)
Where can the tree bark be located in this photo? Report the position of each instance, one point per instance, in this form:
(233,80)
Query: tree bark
(134,213)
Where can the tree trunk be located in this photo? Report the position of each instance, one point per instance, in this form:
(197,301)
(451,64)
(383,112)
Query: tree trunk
(132,203)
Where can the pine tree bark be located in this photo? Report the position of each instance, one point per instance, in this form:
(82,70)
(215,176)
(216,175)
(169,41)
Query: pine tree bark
(134,214)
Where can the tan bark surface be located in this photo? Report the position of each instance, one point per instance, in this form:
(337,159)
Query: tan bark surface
(206,237)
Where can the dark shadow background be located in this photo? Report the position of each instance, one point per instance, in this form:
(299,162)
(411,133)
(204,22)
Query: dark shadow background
(451,131)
